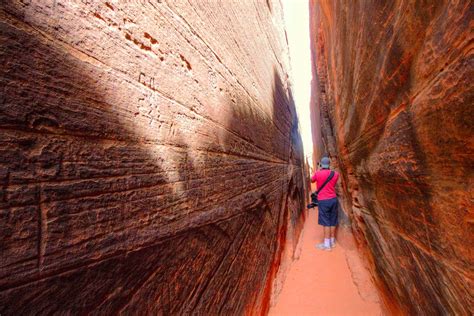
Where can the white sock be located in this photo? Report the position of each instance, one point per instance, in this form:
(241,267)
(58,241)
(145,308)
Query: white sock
(327,242)
(333,240)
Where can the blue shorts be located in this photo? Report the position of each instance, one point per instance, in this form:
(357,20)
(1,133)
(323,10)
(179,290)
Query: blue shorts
(327,212)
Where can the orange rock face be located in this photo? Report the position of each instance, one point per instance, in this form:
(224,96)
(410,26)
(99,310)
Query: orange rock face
(150,157)
(393,94)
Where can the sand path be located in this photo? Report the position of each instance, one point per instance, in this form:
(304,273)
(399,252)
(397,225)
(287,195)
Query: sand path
(321,282)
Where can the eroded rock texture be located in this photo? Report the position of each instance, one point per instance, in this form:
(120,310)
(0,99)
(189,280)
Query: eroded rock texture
(393,93)
(150,156)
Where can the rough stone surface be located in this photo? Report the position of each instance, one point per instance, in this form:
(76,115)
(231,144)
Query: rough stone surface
(151,161)
(393,94)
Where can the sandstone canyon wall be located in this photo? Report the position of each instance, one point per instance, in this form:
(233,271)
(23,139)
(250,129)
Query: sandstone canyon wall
(151,161)
(393,93)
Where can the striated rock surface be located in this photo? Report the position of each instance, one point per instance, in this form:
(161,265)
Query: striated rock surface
(393,94)
(150,157)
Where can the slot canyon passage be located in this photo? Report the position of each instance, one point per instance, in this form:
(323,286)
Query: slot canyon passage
(151,161)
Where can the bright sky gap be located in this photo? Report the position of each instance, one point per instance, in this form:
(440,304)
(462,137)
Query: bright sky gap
(296,15)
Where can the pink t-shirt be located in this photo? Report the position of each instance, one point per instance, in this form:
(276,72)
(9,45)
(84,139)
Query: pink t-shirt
(329,190)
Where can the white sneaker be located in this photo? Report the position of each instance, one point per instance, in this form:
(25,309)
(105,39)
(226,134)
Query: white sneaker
(333,245)
(323,247)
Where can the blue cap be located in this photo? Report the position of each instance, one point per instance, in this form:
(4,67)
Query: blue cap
(325,162)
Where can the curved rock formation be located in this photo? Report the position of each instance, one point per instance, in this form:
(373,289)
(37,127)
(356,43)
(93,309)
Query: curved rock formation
(393,94)
(150,156)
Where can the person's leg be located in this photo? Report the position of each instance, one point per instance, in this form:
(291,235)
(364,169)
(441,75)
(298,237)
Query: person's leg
(327,232)
(323,221)
(326,243)
(332,235)
(327,236)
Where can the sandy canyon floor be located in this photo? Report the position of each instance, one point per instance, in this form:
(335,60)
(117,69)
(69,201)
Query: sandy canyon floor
(326,282)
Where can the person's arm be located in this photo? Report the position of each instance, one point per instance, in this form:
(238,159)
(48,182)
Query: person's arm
(313,178)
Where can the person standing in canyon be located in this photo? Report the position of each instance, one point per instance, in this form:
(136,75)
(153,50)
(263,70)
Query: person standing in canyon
(326,179)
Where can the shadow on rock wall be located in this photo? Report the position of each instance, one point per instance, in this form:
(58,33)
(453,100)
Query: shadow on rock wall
(104,209)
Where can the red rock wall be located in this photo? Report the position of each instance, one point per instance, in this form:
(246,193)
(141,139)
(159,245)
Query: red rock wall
(393,96)
(150,156)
